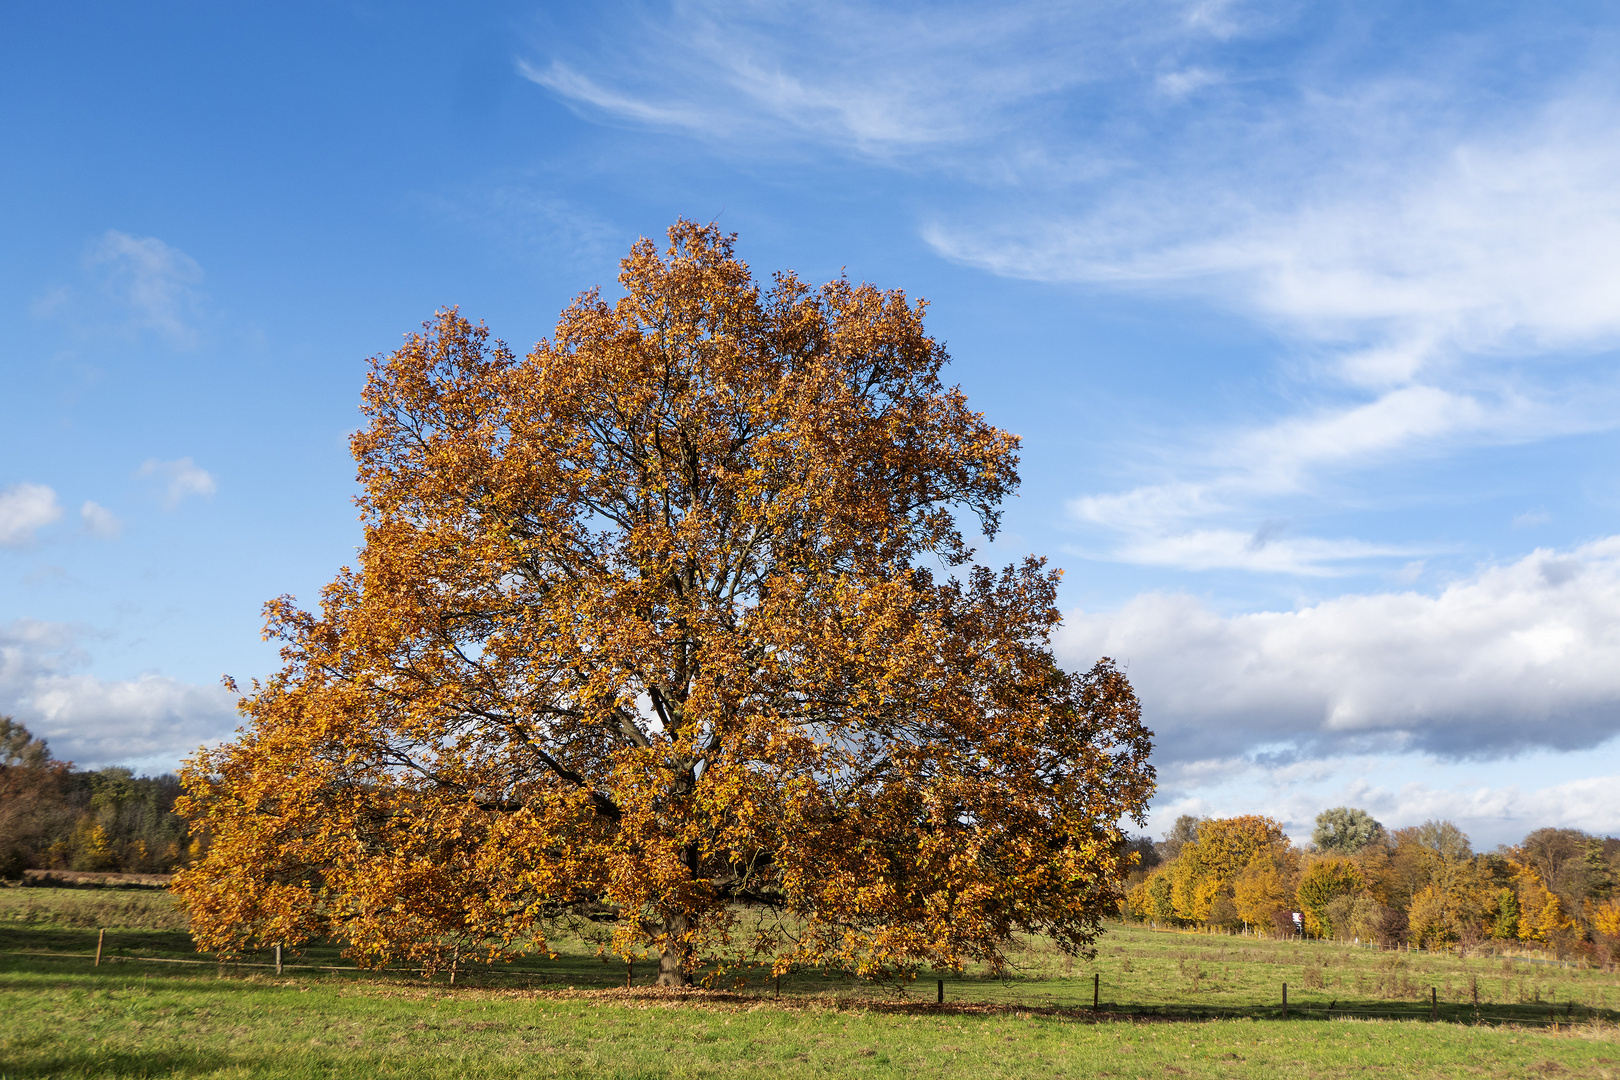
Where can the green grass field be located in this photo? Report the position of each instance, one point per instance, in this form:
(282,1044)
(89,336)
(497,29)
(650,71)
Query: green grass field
(572,1017)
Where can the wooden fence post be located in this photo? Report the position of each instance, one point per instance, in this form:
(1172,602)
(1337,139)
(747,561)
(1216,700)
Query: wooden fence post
(939,992)
(1285,1001)
(1434,1005)
(101,937)
(1096,991)
(278,958)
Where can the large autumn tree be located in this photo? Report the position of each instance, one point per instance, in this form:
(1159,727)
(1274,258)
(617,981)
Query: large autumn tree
(673,618)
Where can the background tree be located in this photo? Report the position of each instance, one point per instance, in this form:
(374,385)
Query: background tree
(647,619)
(1345,830)
(1183,831)
(1267,885)
(33,809)
(1226,871)
(1323,882)
(1548,850)
(1207,865)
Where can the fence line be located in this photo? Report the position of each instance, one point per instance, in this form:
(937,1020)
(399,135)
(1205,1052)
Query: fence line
(1493,947)
(1573,1012)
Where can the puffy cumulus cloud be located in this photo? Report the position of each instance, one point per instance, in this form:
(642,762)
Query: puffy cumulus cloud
(25,509)
(151,719)
(1521,655)
(180,478)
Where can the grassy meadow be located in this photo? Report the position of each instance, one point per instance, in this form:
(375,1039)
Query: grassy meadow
(1173,1004)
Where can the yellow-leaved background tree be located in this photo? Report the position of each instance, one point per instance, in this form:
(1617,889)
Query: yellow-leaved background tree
(648,622)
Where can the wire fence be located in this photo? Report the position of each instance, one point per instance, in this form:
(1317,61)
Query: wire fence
(1528,1014)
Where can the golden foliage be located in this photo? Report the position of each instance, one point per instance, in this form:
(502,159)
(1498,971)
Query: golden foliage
(1324,881)
(1224,847)
(1266,885)
(1606,916)
(643,623)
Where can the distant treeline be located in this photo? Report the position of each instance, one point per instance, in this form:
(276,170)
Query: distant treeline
(1422,886)
(55,817)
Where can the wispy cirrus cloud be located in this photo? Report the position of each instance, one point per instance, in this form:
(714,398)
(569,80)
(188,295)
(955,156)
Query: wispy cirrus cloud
(1495,242)
(1425,219)
(887,81)
(1210,510)
(1461,297)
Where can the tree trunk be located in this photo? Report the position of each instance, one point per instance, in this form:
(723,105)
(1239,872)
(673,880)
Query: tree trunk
(674,962)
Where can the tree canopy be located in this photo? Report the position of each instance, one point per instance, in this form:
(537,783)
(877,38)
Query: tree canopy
(673,620)
(1345,829)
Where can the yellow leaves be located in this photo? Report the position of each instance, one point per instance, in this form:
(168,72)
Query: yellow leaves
(1606,917)
(1325,880)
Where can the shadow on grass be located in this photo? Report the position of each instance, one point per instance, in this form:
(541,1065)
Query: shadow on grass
(75,1062)
(16,937)
(101,1064)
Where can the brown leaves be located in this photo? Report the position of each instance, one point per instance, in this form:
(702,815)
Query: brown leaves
(639,623)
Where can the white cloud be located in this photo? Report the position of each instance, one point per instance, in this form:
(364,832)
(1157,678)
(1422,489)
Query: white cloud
(1265,550)
(1439,261)
(1187,522)
(1416,268)
(877,80)
(1581,803)
(95,722)
(1178,84)
(101,521)
(25,509)
(1443,308)
(153,280)
(576,87)
(181,478)
(1521,655)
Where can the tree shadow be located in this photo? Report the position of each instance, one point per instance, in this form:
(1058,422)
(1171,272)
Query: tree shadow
(85,1061)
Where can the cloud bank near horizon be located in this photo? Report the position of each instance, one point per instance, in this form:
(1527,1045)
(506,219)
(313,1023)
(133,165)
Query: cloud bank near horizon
(1519,656)
(150,721)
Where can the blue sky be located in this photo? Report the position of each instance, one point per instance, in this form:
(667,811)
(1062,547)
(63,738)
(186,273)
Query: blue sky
(1308,315)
